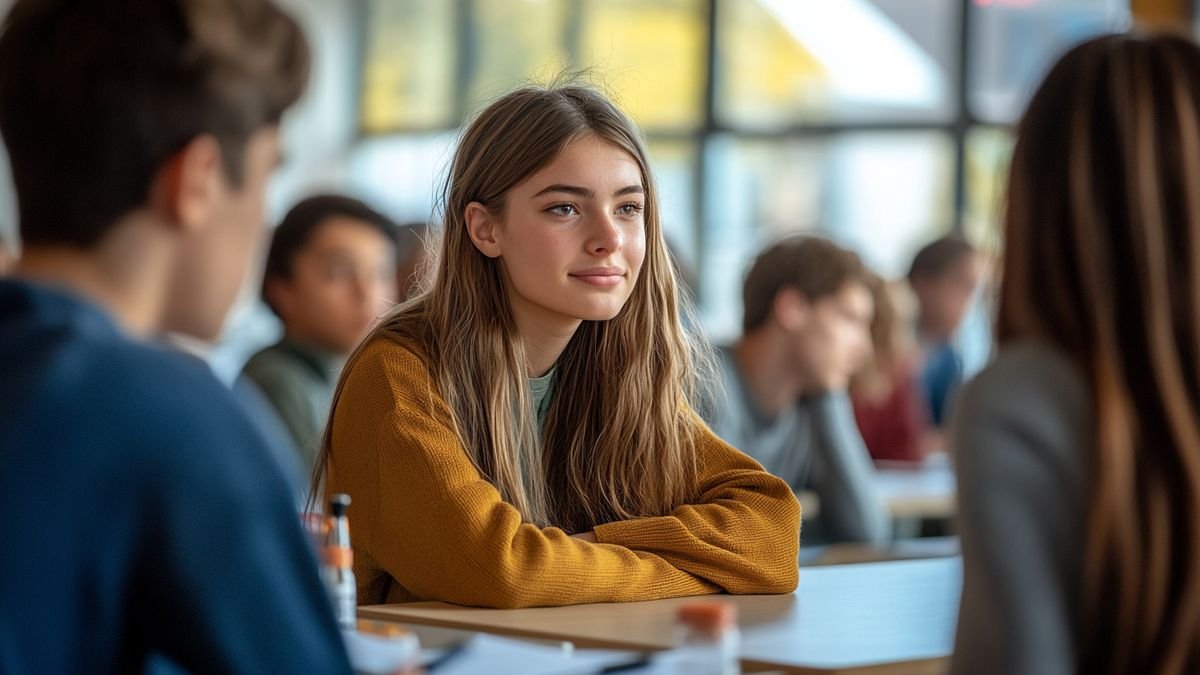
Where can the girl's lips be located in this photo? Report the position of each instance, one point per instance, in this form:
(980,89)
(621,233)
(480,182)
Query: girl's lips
(601,280)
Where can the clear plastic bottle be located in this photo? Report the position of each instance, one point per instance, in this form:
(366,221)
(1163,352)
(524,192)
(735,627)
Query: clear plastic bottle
(337,570)
(708,639)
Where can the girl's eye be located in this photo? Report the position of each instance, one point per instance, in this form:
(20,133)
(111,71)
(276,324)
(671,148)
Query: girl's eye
(630,209)
(563,210)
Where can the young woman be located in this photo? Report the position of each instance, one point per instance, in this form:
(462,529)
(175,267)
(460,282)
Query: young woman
(888,405)
(1079,448)
(522,433)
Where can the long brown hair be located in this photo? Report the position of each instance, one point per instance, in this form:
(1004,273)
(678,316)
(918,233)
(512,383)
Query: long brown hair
(892,340)
(619,438)
(1103,261)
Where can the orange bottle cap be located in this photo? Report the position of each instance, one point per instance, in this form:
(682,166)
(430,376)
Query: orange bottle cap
(380,628)
(713,615)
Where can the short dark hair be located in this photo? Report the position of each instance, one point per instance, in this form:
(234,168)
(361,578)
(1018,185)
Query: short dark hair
(938,257)
(305,218)
(813,265)
(95,95)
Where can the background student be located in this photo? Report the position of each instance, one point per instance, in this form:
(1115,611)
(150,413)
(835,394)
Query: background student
(523,434)
(808,310)
(328,277)
(1078,449)
(147,526)
(888,404)
(944,276)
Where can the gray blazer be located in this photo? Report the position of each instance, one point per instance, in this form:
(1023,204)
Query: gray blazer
(1021,439)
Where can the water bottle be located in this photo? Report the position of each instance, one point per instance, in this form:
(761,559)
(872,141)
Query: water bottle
(707,639)
(338,569)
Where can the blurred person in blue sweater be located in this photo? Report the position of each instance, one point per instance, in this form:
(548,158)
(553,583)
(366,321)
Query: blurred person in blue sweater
(147,526)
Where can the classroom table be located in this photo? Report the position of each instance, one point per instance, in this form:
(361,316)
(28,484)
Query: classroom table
(846,553)
(917,491)
(877,619)
(908,490)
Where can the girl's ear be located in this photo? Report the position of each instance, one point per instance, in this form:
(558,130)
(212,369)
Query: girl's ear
(483,229)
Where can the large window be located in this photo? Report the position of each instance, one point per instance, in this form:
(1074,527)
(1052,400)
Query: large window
(782,63)
(428,65)
(410,63)
(883,123)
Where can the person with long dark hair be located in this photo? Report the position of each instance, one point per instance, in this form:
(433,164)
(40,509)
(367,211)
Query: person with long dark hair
(1078,449)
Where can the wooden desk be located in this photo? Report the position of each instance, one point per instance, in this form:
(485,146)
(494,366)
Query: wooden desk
(924,491)
(907,490)
(877,619)
(900,549)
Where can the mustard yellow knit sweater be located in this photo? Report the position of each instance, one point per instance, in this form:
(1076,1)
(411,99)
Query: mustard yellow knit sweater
(426,526)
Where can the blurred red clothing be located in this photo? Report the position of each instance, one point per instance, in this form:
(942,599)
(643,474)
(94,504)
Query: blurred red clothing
(892,417)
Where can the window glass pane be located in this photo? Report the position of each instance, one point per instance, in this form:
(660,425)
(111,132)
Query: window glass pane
(674,165)
(989,150)
(401,175)
(650,54)
(530,46)
(1014,43)
(784,62)
(881,194)
(409,66)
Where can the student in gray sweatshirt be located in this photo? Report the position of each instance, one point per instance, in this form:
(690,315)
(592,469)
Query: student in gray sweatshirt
(1078,450)
(807,320)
